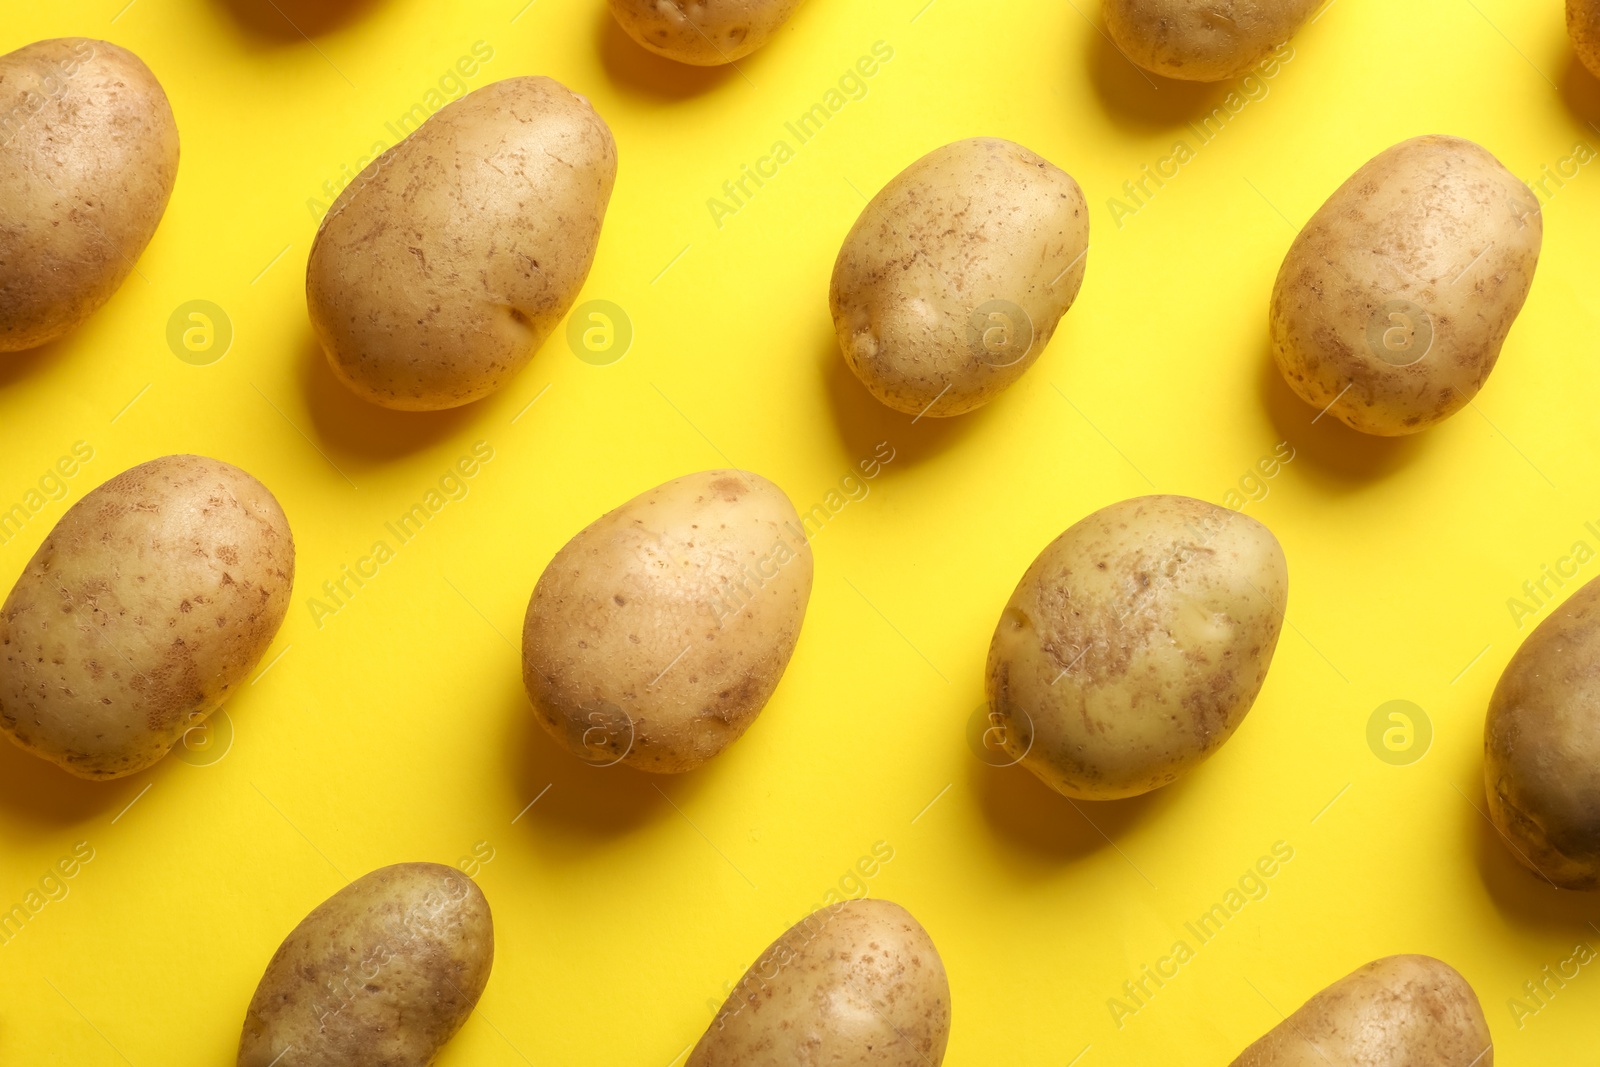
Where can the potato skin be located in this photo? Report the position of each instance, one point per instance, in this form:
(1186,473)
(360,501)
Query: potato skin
(383,972)
(443,267)
(1433,243)
(1202,40)
(88,159)
(856,984)
(1400,1011)
(1135,644)
(704,33)
(150,601)
(974,222)
(657,634)
(1541,746)
(1583,25)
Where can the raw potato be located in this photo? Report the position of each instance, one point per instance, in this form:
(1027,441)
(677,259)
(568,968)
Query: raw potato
(706,33)
(856,984)
(1395,299)
(88,158)
(1541,758)
(1401,1011)
(1583,24)
(1135,645)
(381,974)
(954,277)
(448,261)
(150,601)
(658,633)
(1203,40)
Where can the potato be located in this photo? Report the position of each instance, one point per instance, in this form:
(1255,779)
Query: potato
(88,158)
(658,633)
(1541,746)
(383,972)
(1203,40)
(1135,645)
(856,984)
(1394,301)
(1583,25)
(150,601)
(951,282)
(448,261)
(706,33)
(1401,1011)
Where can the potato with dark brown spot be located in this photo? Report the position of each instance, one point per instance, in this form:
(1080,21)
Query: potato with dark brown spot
(381,974)
(1583,25)
(658,633)
(1401,1011)
(856,984)
(1135,645)
(1393,303)
(1202,40)
(704,33)
(147,605)
(954,278)
(444,266)
(88,159)
(1541,759)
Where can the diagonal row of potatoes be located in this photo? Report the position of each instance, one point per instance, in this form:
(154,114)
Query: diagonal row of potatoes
(1130,650)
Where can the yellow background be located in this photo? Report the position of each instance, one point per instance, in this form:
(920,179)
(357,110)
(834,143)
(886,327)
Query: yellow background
(398,729)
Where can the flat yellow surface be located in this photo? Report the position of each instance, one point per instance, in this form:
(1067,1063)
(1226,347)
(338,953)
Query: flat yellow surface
(396,728)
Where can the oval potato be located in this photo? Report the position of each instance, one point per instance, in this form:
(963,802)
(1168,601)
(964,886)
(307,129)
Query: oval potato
(1203,40)
(385,971)
(952,281)
(1393,303)
(1541,763)
(150,601)
(1400,1011)
(1135,644)
(88,159)
(705,33)
(856,984)
(443,267)
(658,633)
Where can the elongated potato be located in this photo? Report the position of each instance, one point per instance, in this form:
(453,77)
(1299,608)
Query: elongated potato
(1203,40)
(705,33)
(88,159)
(1135,645)
(150,601)
(1400,1011)
(1393,303)
(660,631)
(383,972)
(444,266)
(856,984)
(952,281)
(1541,746)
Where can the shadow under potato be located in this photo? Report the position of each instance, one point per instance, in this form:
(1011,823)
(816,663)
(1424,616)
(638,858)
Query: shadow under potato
(863,421)
(1523,896)
(296,20)
(583,801)
(633,67)
(14,366)
(1337,451)
(1033,818)
(48,796)
(353,428)
(1580,91)
(1135,96)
